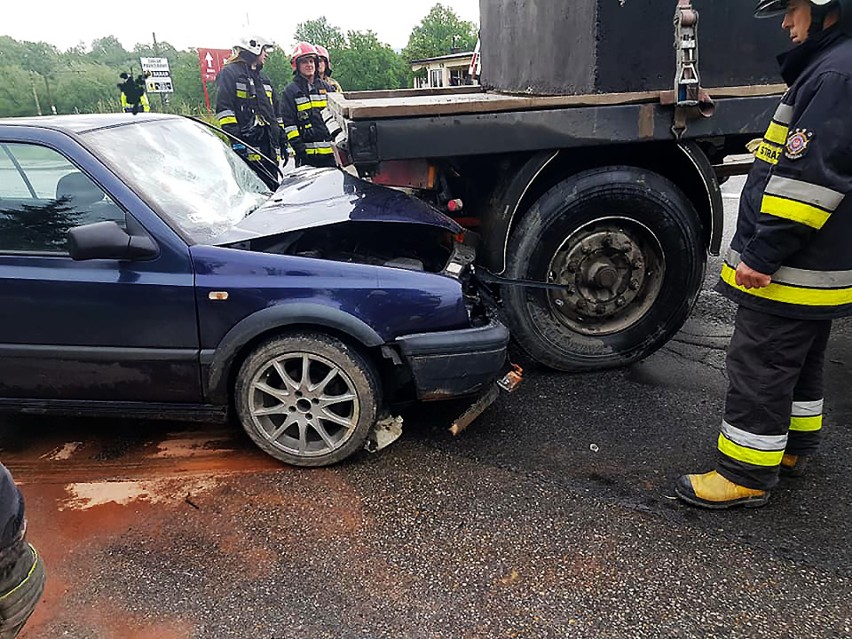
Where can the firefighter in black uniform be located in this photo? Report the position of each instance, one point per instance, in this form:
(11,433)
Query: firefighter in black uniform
(790,266)
(247,107)
(301,110)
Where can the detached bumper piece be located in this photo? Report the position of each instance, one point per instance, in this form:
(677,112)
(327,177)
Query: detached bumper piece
(455,363)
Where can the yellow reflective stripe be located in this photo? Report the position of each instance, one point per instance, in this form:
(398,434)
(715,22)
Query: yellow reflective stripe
(309,126)
(292,135)
(768,152)
(777,133)
(319,104)
(254,157)
(324,151)
(795,211)
(304,107)
(228,119)
(806,424)
(749,455)
(269,95)
(242,94)
(800,296)
(310,151)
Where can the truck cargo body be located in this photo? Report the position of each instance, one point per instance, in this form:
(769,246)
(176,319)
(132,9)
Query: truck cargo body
(595,210)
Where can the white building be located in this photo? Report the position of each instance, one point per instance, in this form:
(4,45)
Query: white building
(444,71)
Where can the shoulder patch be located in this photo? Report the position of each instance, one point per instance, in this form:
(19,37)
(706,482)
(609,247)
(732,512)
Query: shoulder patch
(797,143)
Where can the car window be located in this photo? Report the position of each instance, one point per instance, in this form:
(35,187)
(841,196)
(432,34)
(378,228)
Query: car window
(42,196)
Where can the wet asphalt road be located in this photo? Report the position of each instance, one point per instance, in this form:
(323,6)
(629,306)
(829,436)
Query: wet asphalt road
(551,516)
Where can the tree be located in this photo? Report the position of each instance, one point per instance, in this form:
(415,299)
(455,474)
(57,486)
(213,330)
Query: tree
(439,33)
(110,51)
(319,31)
(367,64)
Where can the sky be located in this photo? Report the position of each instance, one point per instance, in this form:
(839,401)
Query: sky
(185,24)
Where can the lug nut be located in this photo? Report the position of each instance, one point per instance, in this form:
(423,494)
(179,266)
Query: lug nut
(634,285)
(559,303)
(619,302)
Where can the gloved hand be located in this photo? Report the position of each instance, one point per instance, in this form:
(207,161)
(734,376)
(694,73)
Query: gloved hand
(301,159)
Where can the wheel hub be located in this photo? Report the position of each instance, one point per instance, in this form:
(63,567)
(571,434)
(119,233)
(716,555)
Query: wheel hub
(612,270)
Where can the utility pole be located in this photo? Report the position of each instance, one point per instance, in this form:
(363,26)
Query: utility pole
(35,95)
(164,99)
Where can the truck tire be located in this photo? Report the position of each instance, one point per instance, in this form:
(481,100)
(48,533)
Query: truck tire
(307,399)
(627,245)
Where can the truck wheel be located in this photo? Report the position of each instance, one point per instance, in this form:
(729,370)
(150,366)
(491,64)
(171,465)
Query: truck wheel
(626,244)
(307,399)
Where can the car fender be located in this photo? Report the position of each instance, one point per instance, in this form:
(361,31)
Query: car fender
(216,363)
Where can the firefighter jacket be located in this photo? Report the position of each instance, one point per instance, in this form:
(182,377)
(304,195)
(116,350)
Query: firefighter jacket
(301,113)
(333,84)
(795,218)
(144,105)
(247,107)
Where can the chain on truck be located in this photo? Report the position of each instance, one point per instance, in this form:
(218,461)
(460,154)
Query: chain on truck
(594,201)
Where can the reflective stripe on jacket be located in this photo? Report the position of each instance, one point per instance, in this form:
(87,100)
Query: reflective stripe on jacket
(795,218)
(301,114)
(247,107)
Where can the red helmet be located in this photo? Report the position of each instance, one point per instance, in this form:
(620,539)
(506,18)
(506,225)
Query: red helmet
(302,49)
(323,53)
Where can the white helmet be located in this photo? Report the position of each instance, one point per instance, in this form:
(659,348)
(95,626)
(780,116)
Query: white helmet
(254,44)
(772,8)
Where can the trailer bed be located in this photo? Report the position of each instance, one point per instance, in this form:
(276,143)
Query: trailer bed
(445,123)
(367,105)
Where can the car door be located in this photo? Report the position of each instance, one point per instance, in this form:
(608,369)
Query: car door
(95,329)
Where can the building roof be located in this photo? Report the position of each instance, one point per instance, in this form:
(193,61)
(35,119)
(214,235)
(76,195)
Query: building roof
(464,55)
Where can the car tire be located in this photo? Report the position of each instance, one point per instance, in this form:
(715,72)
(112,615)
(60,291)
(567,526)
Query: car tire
(627,245)
(307,399)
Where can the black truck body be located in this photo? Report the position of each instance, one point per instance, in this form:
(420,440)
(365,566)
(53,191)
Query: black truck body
(595,210)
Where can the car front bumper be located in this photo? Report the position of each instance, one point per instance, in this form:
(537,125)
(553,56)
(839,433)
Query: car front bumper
(454,363)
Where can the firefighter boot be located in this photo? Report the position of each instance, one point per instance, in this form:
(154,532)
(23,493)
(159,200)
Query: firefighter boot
(711,490)
(794,465)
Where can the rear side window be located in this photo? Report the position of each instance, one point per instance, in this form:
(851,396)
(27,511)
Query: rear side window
(42,196)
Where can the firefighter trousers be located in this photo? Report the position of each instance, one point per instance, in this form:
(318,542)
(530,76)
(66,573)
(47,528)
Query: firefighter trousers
(775,395)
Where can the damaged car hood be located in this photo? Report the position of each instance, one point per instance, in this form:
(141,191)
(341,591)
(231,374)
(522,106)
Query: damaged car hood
(310,197)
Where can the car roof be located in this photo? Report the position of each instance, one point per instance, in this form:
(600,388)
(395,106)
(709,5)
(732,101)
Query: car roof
(81,123)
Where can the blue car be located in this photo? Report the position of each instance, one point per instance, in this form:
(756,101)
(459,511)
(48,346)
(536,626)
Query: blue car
(145,270)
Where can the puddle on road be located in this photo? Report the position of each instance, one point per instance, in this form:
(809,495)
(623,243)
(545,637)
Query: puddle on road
(86,495)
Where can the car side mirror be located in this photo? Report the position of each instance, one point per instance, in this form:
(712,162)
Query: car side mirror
(108,241)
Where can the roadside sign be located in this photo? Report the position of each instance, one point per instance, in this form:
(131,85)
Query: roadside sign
(159,79)
(211,62)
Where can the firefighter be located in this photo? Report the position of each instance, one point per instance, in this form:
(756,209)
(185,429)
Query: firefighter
(324,70)
(301,110)
(133,96)
(789,267)
(247,107)
(21,566)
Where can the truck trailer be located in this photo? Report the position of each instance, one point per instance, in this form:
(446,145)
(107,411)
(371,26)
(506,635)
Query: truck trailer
(588,163)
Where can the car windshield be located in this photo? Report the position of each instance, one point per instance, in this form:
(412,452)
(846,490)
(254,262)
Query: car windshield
(185,171)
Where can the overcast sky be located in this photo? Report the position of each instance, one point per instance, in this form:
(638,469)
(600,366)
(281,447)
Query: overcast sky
(185,23)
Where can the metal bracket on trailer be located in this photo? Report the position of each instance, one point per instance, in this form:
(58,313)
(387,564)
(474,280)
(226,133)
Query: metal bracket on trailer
(688,98)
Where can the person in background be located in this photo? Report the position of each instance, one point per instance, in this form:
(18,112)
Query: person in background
(324,70)
(21,567)
(247,108)
(301,110)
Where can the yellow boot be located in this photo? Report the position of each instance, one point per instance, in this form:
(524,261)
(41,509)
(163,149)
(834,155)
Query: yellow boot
(711,490)
(794,465)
